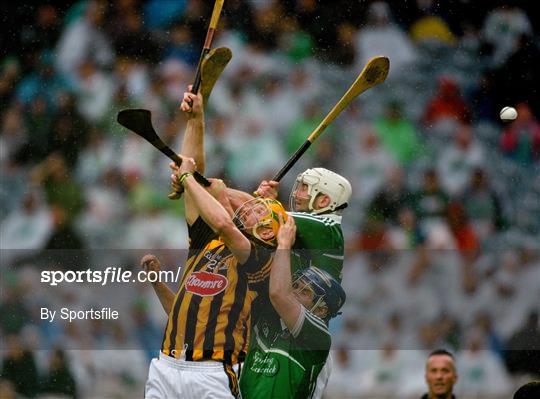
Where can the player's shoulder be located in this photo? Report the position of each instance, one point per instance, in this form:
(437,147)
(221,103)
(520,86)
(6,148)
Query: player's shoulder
(326,220)
(315,322)
(314,333)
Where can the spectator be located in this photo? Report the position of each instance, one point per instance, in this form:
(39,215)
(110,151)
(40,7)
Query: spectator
(398,134)
(502,29)
(7,390)
(181,45)
(130,36)
(69,131)
(407,235)
(458,160)
(367,162)
(381,35)
(481,372)
(301,127)
(19,367)
(28,228)
(159,14)
(394,196)
(13,134)
(345,372)
(447,103)
(463,232)
(14,313)
(521,353)
(83,39)
(9,77)
(102,220)
(96,158)
(95,91)
(38,120)
(42,32)
(343,53)
(484,322)
(431,201)
(430,28)
(482,205)
(441,375)
(59,379)
(247,165)
(373,240)
(44,83)
(60,188)
(64,236)
(147,333)
(521,139)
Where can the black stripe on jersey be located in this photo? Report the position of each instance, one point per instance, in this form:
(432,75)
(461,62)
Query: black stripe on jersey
(200,234)
(210,333)
(175,310)
(179,300)
(215,310)
(259,255)
(234,315)
(191,322)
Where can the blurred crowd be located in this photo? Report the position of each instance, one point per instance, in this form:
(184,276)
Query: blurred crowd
(442,232)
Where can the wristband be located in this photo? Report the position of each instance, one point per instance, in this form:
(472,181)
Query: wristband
(184,176)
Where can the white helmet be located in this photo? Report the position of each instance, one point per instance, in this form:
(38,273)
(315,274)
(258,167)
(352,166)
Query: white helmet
(324,181)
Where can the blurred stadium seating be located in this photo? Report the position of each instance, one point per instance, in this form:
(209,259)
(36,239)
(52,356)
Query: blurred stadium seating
(71,178)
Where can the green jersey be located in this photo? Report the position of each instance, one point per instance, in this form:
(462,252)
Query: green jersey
(283,364)
(319,243)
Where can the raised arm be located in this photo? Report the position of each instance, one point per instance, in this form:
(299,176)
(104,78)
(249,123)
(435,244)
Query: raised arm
(267,189)
(281,292)
(193,141)
(212,212)
(217,189)
(164,293)
(237,197)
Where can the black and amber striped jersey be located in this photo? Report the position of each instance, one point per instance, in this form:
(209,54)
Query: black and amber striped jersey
(210,316)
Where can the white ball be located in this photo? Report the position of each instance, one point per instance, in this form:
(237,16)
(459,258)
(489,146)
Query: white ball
(508,114)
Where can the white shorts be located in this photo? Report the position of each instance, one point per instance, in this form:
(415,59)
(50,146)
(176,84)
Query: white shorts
(170,378)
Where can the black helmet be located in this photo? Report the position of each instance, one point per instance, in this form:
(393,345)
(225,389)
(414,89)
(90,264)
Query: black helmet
(327,291)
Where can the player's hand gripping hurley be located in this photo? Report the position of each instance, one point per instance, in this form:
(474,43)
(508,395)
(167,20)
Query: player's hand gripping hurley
(216,13)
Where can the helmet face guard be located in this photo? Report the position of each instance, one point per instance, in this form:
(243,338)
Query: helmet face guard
(311,182)
(259,212)
(302,283)
(326,291)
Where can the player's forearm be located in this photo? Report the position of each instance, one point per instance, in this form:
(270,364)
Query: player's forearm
(237,197)
(280,290)
(211,211)
(280,275)
(165,295)
(193,143)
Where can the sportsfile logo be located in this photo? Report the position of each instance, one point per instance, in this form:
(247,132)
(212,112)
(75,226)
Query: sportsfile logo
(108,276)
(206,284)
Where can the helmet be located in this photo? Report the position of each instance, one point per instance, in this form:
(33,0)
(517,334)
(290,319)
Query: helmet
(321,180)
(260,212)
(327,291)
